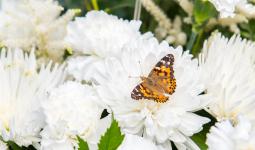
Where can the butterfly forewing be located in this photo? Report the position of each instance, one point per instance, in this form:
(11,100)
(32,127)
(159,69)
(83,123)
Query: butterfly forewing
(160,81)
(163,74)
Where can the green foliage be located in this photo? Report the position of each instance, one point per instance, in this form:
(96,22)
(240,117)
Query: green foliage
(248,30)
(200,138)
(121,8)
(203,11)
(112,139)
(83,145)
(14,146)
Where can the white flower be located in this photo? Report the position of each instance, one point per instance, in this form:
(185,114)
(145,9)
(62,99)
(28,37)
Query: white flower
(228,74)
(226,136)
(225,7)
(229,8)
(34,23)
(3,146)
(99,35)
(71,110)
(246,9)
(21,90)
(134,142)
(173,120)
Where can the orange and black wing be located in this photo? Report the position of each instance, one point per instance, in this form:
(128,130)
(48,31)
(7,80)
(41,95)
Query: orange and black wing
(142,91)
(163,74)
(163,79)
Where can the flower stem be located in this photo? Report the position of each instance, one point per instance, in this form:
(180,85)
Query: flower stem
(196,48)
(137,11)
(192,40)
(95,5)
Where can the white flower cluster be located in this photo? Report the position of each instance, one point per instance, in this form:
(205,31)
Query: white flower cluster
(22,89)
(51,107)
(34,24)
(231,13)
(229,8)
(225,136)
(226,96)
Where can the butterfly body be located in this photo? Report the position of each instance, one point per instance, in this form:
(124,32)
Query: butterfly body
(159,82)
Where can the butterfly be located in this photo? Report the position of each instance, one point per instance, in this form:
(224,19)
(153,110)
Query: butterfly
(160,81)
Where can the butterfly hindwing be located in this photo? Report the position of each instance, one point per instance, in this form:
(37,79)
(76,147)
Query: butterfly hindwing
(142,91)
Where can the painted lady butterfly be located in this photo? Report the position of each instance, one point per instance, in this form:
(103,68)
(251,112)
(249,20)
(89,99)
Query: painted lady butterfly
(160,81)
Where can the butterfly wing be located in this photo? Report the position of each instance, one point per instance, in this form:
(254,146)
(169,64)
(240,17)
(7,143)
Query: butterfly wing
(160,81)
(145,91)
(163,74)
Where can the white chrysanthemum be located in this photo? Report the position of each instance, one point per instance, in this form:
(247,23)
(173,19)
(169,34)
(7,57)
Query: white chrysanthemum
(246,9)
(21,90)
(71,110)
(229,8)
(99,35)
(3,146)
(225,7)
(228,73)
(173,120)
(34,23)
(134,142)
(226,136)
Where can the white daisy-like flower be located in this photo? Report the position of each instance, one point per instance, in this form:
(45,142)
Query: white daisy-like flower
(34,23)
(228,74)
(98,35)
(21,90)
(173,120)
(72,110)
(246,9)
(226,136)
(229,8)
(135,142)
(3,146)
(226,8)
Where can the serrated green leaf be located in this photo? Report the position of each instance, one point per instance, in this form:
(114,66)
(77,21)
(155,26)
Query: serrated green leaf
(203,11)
(112,139)
(83,145)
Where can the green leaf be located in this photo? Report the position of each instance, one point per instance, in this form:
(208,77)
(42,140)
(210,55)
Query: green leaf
(248,30)
(203,11)
(112,139)
(200,138)
(83,145)
(14,146)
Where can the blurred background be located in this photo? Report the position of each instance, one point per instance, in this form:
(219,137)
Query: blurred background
(125,9)
(180,22)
